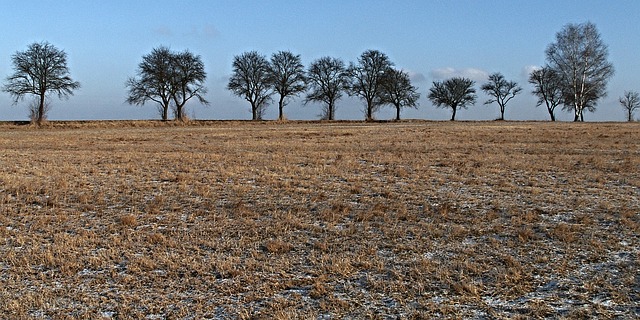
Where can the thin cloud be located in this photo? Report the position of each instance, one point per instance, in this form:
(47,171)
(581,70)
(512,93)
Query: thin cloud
(163,31)
(526,70)
(416,76)
(474,74)
(207,31)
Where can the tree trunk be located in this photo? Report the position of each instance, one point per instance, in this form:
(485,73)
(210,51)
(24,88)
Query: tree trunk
(281,107)
(553,116)
(501,113)
(254,112)
(40,109)
(453,115)
(165,112)
(331,112)
(369,111)
(397,112)
(179,116)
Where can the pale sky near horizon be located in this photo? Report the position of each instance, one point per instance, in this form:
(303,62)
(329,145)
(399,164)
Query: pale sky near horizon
(433,40)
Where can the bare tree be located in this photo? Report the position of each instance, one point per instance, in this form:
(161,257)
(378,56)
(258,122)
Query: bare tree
(327,80)
(153,81)
(40,70)
(187,81)
(579,56)
(286,75)
(548,88)
(398,91)
(455,93)
(630,102)
(169,79)
(250,80)
(501,90)
(366,79)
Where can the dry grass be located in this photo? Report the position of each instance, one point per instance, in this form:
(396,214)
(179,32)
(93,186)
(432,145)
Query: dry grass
(323,220)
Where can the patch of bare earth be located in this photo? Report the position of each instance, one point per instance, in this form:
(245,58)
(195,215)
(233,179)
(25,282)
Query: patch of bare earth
(225,220)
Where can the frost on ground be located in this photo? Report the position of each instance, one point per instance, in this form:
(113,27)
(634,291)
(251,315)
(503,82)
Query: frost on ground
(225,220)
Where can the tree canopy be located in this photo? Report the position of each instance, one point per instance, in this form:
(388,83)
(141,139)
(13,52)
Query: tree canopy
(365,79)
(454,93)
(327,80)
(250,80)
(548,88)
(287,77)
(40,70)
(579,56)
(398,91)
(501,91)
(630,101)
(169,79)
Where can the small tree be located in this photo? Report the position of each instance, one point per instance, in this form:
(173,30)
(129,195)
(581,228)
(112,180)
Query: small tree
(250,80)
(630,102)
(366,79)
(169,79)
(501,90)
(455,93)
(579,56)
(40,70)
(548,88)
(327,80)
(398,91)
(286,75)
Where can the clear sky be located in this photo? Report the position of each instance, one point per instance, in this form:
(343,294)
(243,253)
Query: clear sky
(433,40)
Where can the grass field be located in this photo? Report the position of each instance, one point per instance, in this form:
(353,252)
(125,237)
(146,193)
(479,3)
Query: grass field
(268,220)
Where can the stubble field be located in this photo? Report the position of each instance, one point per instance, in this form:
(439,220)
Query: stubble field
(320,220)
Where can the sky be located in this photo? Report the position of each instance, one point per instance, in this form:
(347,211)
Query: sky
(431,40)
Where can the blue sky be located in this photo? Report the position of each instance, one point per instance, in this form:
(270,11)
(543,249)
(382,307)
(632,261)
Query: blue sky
(433,40)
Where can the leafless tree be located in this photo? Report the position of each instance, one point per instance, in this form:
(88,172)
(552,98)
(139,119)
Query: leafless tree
(287,76)
(398,91)
(365,79)
(630,102)
(548,88)
(187,81)
(579,56)
(250,80)
(455,93)
(169,79)
(153,81)
(327,80)
(500,90)
(40,70)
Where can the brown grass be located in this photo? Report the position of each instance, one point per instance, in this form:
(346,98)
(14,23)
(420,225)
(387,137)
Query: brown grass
(281,220)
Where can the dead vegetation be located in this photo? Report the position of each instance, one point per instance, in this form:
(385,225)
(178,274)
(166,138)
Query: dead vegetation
(217,220)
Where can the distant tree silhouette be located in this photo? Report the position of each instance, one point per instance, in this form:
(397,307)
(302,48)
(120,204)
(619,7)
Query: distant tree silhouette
(250,80)
(500,90)
(365,79)
(327,80)
(630,102)
(287,77)
(398,91)
(40,70)
(455,93)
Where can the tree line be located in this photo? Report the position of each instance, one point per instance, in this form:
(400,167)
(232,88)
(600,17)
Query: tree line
(575,77)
